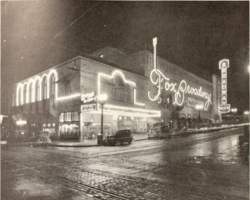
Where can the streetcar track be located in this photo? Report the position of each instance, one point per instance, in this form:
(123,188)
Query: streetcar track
(104,174)
(116,195)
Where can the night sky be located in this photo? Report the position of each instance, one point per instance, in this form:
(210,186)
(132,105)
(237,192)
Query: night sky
(38,35)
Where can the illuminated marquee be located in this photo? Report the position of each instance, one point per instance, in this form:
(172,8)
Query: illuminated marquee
(224,107)
(128,111)
(179,90)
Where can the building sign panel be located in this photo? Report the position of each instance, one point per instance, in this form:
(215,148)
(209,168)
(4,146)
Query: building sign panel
(194,102)
(88,98)
(224,107)
(88,107)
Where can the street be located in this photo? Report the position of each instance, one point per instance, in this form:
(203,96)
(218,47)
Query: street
(197,166)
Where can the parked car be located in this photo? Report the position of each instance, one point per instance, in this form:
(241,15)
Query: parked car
(39,140)
(122,136)
(159,132)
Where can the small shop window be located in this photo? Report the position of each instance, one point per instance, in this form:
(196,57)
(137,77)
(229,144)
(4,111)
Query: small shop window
(68,117)
(76,117)
(61,118)
(69,130)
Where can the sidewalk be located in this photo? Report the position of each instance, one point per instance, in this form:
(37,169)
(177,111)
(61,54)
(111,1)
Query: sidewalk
(136,136)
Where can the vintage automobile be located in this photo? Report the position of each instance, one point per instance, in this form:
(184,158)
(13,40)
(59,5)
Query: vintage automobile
(39,140)
(122,136)
(159,132)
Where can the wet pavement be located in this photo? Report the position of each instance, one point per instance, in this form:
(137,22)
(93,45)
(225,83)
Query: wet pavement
(200,166)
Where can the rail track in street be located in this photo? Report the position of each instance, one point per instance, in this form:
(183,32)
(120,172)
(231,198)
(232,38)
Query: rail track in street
(105,185)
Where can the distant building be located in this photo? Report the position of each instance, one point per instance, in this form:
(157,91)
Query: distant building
(62,100)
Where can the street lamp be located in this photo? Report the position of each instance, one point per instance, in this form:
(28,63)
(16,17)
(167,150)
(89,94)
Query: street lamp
(102,98)
(199,107)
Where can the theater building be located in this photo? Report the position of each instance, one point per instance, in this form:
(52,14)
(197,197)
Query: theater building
(63,99)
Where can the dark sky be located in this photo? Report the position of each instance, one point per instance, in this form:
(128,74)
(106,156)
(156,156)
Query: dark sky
(193,35)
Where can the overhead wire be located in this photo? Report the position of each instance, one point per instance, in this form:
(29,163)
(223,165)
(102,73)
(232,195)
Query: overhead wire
(77,19)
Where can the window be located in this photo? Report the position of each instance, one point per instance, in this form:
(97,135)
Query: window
(69,117)
(25,94)
(76,117)
(19,97)
(37,85)
(52,87)
(61,118)
(44,88)
(30,92)
(13,100)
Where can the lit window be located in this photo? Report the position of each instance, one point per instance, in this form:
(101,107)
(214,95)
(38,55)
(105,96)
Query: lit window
(30,92)
(52,87)
(25,94)
(44,88)
(61,118)
(76,117)
(68,117)
(13,100)
(37,91)
(19,97)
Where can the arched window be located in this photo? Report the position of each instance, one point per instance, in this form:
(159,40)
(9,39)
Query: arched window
(19,96)
(37,91)
(25,94)
(31,92)
(52,87)
(13,100)
(44,88)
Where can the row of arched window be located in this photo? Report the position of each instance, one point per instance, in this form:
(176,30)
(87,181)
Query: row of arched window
(36,89)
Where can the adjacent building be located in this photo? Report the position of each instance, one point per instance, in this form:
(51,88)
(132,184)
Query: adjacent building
(63,99)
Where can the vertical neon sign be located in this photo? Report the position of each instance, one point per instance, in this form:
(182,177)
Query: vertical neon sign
(224,107)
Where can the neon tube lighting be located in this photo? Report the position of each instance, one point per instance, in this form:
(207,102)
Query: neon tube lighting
(32,83)
(135,102)
(128,114)
(111,77)
(37,78)
(41,82)
(26,92)
(56,79)
(18,91)
(68,97)
(132,109)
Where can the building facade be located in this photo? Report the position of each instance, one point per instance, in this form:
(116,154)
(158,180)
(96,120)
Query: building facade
(63,99)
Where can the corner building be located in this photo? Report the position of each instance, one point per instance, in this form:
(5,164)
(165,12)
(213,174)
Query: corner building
(63,99)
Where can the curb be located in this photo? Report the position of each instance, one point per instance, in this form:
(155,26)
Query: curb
(82,145)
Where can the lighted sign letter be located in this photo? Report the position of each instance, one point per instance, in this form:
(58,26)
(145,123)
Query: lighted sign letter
(224,107)
(157,78)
